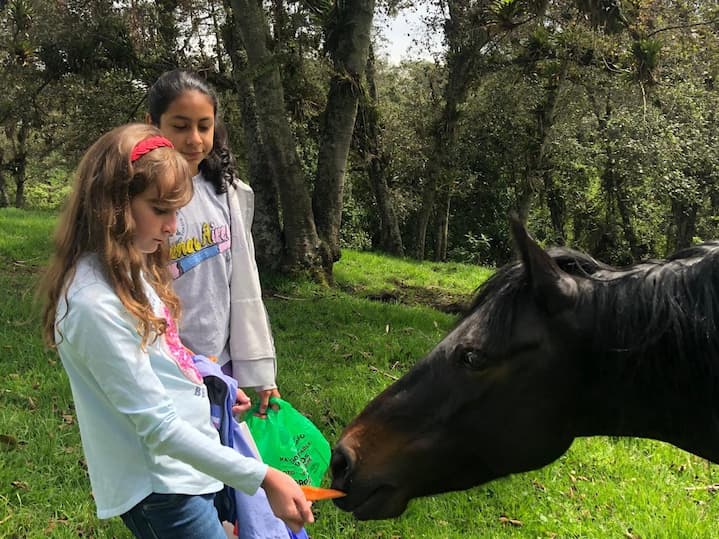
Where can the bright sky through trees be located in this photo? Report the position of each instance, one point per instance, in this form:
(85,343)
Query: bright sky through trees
(405,36)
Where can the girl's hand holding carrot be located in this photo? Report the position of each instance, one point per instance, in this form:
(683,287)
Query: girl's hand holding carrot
(287,501)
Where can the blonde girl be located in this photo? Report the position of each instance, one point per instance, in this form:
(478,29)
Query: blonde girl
(153,455)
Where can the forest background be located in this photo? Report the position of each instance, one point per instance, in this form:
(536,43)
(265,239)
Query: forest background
(594,120)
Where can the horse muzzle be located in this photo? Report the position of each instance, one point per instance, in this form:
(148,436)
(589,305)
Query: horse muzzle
(370,496)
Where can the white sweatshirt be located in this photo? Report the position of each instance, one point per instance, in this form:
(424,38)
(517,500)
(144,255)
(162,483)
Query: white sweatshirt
(144,422)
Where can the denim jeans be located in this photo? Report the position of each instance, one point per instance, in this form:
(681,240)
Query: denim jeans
(175,516)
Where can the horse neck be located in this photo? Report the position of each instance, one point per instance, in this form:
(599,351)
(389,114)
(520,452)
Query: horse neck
(675,405)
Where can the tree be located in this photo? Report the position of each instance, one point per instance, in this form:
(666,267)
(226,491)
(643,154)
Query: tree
(347,41)
(17,111)
(469,30)
(375,158)
(266,226)
(302,243)
(311,225)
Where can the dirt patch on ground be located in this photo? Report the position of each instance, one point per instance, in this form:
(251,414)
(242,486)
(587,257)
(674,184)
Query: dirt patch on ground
(406,294)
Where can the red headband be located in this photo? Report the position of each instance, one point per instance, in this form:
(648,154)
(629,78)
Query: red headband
(147,145)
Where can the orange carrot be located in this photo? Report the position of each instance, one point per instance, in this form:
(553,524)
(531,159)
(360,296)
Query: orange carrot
(315,493)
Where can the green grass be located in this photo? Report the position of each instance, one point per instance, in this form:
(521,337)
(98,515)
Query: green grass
(336,349)
(446,286)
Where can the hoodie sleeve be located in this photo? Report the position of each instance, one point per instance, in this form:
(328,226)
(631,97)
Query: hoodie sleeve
(252,347)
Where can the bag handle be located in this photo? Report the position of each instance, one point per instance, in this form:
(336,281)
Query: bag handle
(274,404)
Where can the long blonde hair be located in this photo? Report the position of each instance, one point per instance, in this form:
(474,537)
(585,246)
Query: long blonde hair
(97,219)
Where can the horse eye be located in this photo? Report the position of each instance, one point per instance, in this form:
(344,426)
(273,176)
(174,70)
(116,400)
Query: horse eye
(474,359)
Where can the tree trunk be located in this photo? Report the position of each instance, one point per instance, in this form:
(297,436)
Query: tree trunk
(220,29)
(303,251)
(390,236)
(525,193)
(545,115)
(557,208)
(19,162)
(714,201)
(440,249)
(3,185)
(429,193)
(685,222)
(266,227)
(19,167)
(348,42)
(605,247)
(440,170)
(626,220)
(370,150)
(462,70)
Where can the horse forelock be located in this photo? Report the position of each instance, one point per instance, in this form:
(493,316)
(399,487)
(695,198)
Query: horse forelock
(495,303)
(498,299)
(666,308)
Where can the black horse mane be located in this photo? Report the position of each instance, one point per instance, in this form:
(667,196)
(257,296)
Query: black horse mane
(666,308)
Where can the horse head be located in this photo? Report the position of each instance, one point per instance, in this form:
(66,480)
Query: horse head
(494,397)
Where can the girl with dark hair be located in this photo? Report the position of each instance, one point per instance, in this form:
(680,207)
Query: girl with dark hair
(212,254)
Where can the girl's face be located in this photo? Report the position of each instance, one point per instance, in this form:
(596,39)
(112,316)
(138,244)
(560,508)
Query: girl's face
(189,123)
(154,220)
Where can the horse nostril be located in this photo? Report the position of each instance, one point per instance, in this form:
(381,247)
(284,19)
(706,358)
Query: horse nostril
(341,463)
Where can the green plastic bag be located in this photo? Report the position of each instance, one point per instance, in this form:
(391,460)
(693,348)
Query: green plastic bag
(290,442)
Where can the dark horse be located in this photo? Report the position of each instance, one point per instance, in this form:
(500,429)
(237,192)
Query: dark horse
(553,347)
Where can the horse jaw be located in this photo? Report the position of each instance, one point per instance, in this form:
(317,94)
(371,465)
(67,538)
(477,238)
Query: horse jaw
(382,472)
(384,494)
(377,495)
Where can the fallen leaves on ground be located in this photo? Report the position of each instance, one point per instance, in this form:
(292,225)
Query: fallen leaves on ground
(511,521)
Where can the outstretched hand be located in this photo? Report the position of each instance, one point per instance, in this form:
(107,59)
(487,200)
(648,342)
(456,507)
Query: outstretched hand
(287,500)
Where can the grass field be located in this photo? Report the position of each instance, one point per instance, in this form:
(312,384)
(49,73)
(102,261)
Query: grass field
(337,348)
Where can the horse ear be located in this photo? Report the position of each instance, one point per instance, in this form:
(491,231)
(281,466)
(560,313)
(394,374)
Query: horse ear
(554,290)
